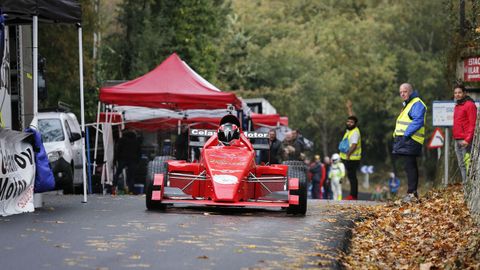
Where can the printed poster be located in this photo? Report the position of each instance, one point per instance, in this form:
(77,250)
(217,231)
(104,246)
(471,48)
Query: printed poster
(17,173)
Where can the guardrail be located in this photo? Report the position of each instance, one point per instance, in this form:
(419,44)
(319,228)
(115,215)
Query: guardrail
(472,185)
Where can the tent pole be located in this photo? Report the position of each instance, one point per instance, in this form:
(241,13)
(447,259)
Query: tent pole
(82,110)
(96,139)
(107,129)
(35,66)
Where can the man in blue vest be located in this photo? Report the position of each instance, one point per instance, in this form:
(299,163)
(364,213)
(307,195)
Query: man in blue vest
(409,136)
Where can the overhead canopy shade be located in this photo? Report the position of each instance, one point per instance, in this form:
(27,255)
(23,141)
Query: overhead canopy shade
(268,119)
(169,124)
(56,11)
(172,85)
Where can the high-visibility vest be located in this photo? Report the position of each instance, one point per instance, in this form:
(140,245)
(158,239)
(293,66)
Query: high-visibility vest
(2,125)
(357,154)
(403,120)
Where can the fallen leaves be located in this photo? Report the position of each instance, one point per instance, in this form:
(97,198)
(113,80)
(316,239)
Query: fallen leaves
(437,233)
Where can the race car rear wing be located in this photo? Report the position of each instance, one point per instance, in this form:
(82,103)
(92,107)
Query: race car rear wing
(207,133)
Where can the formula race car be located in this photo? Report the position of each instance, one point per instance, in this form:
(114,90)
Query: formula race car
(226,175)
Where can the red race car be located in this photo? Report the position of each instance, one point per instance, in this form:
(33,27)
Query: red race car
(227,176)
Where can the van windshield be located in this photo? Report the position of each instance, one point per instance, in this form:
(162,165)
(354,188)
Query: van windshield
(51,130)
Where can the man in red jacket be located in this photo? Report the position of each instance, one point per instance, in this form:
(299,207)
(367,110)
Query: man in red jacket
(464,119)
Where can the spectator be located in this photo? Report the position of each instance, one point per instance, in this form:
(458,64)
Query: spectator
(336,175)
(274,155)
(380,193)
(167,147)
(299,144)
(409,136)
(464,119)
(127,155)
(181,144)
(288,146)
(351,152)
(393,185)
(316,170)
(327,190)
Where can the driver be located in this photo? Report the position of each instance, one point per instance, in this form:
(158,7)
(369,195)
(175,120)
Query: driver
(228,132)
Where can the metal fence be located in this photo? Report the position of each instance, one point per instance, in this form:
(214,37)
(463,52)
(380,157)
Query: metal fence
(472,186)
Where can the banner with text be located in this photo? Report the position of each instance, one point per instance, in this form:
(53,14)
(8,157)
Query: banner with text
(442,112)
(471,69)
(17,173)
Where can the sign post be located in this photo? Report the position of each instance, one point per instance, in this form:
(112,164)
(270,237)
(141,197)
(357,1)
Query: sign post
(443,114)
(445,180)
(367,170)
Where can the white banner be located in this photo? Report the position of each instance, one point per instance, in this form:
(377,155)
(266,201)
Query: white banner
(442,112)
(17,173)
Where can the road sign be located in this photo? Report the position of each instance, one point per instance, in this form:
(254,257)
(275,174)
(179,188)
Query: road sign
(437,139)
(367,169)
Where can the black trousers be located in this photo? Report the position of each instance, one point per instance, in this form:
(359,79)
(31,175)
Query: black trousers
(130,181)
(351,166)
(411,169)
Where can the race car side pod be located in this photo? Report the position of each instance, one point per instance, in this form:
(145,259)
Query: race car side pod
(293,184)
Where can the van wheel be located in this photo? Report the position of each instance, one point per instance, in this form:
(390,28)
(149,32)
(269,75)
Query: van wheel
(68,187)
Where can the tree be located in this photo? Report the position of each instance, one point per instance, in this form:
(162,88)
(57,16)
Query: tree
(58,43)
(153,29)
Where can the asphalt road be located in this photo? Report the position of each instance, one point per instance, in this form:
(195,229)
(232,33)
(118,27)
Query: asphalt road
(119,233)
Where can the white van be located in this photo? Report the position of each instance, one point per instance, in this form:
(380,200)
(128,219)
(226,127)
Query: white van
(61,135)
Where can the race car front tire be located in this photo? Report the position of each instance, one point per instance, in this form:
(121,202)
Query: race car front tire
(296,170)
(157,165)
(152,204)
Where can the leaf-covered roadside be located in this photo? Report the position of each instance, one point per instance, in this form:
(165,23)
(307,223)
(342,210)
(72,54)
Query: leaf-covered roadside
(437,233)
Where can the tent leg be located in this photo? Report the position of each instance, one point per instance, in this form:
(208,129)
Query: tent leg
(35,66)
(89,164)
(82,110)
(96,139)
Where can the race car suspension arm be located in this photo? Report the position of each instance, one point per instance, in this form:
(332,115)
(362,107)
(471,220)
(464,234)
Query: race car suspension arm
(267,179)
(184,176)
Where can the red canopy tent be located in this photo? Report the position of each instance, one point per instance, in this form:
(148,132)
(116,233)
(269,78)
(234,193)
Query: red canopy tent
(268,120)
(171,123)
(172,85)
(165,123)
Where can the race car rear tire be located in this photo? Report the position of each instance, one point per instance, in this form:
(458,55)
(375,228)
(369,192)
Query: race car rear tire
(298,170)
(151,204)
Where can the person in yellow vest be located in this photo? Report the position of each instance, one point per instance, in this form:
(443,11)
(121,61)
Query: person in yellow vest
(409,136)
(351,152)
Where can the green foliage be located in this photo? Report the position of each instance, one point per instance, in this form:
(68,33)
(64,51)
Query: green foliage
(58,43)
(151,30)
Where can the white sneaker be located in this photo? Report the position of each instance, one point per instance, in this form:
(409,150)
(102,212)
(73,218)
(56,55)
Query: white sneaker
(410,198)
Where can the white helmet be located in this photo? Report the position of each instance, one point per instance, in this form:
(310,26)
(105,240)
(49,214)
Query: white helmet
(335,157)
